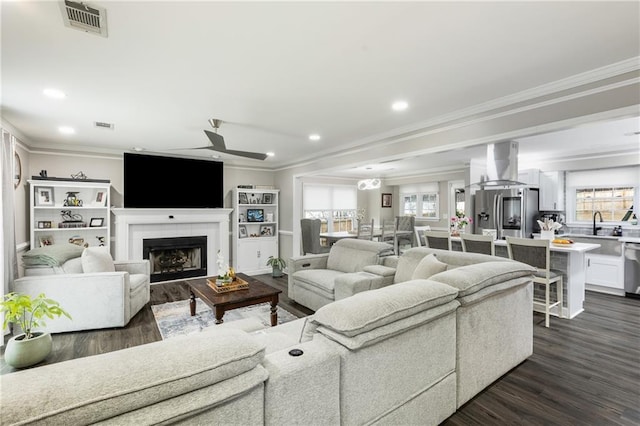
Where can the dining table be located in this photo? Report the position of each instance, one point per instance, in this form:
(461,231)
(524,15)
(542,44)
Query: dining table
(334,236)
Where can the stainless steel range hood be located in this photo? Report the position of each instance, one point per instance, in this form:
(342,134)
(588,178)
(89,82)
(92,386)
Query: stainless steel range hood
(502,165)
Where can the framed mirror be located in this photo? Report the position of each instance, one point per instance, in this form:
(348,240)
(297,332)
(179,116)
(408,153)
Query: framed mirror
(17,170)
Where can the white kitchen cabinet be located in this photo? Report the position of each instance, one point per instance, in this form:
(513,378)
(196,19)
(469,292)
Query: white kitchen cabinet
(551,191)
(255,229)
(531,177)
(69,210)
(605,273)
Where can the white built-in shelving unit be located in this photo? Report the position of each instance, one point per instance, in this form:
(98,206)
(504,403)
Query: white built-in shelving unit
(69,210)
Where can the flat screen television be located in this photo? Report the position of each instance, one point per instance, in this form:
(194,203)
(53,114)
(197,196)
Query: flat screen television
(153,181)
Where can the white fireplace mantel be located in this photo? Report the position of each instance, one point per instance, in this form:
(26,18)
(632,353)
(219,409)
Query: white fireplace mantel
(132,226)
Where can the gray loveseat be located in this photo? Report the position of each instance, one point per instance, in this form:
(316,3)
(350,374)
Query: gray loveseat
(318,279)
(393,355)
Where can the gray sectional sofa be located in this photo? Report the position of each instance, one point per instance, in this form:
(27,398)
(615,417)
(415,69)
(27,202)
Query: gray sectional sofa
(407,353)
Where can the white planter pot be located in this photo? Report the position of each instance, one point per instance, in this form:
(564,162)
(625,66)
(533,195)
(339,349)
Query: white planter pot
(547,235)
(22,353)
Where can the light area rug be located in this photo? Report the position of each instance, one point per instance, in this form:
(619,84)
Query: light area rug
(174,318)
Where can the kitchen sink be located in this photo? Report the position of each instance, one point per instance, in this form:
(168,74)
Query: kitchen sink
(609,245)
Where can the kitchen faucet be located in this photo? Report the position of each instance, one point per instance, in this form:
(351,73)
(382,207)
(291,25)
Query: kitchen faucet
(595,230)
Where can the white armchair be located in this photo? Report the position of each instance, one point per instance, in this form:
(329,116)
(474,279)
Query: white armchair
(93,299)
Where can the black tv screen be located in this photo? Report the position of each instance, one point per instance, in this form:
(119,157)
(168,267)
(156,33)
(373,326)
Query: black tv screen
(152,181)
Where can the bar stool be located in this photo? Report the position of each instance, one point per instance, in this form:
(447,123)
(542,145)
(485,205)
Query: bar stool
(537,253)
(475,243)
(438,239)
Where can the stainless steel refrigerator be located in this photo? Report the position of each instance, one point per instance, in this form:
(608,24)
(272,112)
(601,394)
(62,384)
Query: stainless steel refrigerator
(512,212)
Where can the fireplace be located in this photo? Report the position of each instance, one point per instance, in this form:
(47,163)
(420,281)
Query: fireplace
(176,258)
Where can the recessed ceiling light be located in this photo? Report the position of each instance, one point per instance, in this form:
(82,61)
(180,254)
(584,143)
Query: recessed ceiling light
(54,93)
(66,130)
(270,154)
(314,137)
(399,106)
(138,149)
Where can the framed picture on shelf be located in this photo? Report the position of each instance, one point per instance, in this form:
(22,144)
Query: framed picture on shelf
(44,224)
(242,198)
(101,199)
(267,230)
(45,240)
(242,231)
(255,215)
(96,222)
(267,198)
(386,200)
(44,196)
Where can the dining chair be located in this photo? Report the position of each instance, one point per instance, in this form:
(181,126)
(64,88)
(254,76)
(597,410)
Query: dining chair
(419,231)
(389,233)
(475,243)
(537,253)
(405,226)
(311,243)
(365,230)
(438,239)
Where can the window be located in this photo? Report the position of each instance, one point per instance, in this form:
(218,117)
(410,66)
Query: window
(335,205)
(427,207)
(430,206)
(614,203)
(409,205)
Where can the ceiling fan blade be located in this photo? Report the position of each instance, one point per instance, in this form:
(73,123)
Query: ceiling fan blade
(218,145)
(254,155)
(216,140)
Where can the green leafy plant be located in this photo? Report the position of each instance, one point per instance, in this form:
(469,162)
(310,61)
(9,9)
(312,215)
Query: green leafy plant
(29,313)
(276,262)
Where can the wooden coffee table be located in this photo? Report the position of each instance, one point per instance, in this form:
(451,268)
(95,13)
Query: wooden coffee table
(258,292)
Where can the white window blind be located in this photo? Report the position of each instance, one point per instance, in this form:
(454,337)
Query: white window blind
(329,197)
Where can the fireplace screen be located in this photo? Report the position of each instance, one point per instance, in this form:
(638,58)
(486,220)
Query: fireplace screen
(176,258)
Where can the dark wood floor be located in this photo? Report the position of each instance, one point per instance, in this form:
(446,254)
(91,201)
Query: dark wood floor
(584,371)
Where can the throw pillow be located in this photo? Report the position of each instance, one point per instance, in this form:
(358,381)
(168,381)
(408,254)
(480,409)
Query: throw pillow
(428,266)
(97,259)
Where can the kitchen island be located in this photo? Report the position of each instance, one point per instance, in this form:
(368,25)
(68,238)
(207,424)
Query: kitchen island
(570,260)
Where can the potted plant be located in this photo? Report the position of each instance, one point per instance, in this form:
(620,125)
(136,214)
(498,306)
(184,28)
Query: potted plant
(29,347)
(278,264)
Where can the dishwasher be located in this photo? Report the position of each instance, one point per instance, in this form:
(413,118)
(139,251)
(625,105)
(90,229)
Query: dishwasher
(631,253)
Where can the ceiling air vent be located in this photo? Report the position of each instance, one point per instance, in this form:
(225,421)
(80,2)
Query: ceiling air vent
(84,17)
(103,125)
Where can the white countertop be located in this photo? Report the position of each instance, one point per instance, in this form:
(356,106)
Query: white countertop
(629,240)
(575,247)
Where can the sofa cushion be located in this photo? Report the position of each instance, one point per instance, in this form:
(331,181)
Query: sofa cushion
(473,278)
(72,266)
(427,267)
(351,255)
(323,279)
(370,309)
(121,381)
(97,259)
(53,255)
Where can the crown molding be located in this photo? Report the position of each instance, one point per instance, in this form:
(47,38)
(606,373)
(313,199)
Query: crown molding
(527,100)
